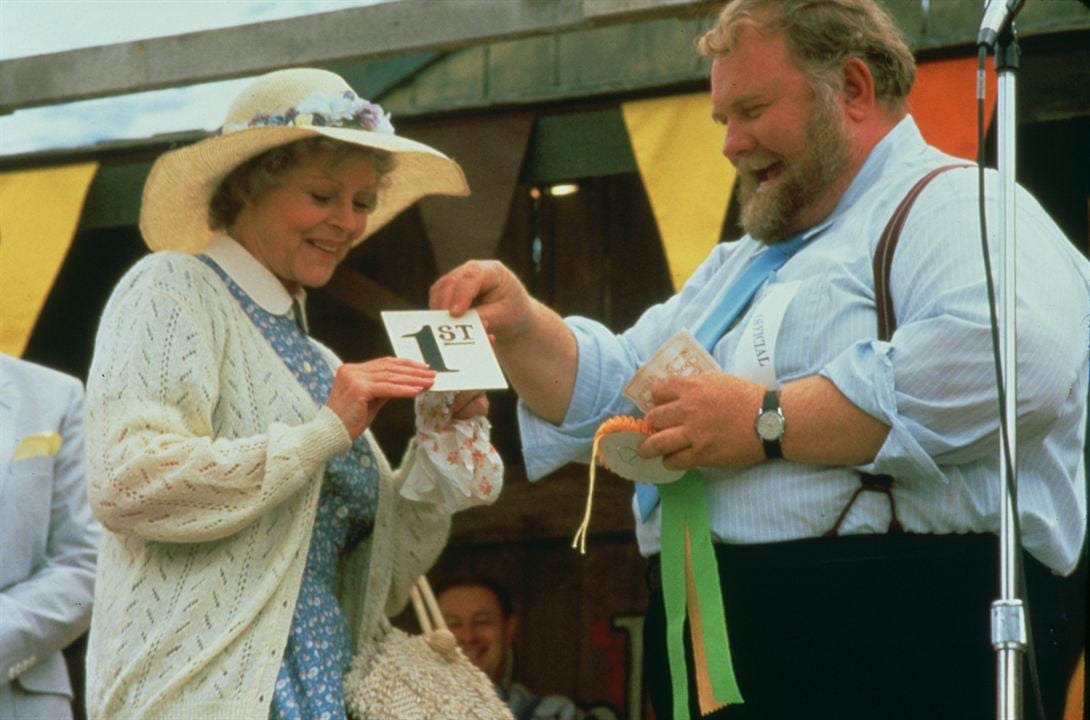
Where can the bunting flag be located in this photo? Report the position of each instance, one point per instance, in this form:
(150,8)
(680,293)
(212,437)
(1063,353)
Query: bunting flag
(490,151)
(943,102)
(688,181)
(39,212)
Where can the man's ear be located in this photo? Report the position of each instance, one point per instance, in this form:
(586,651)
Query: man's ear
(858,90)
(511,626)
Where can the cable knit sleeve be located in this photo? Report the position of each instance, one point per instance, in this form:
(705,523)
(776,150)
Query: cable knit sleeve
(407,539)
(420,535)
(169,365)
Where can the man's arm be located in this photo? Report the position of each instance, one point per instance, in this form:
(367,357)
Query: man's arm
(709,421)
(826,427)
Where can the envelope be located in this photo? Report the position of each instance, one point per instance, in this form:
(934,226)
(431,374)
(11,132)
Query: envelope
(44,444)
(681,356)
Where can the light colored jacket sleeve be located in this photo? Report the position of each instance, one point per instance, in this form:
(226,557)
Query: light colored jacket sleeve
(48,533)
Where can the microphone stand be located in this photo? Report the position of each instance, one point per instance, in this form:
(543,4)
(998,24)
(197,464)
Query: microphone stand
(1009,637)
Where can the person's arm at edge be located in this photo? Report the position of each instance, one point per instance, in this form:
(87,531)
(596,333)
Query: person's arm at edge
(45,612)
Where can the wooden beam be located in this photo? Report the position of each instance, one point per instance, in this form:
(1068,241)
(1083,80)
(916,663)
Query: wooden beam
(407,27)
(369,32)
(363,294)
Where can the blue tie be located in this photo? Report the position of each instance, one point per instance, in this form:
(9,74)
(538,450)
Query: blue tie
(729,306)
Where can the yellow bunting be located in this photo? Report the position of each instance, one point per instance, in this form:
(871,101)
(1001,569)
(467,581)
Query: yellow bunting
(39,211)
(688,181)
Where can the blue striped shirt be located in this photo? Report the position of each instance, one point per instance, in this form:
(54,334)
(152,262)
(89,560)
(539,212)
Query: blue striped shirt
(933,383)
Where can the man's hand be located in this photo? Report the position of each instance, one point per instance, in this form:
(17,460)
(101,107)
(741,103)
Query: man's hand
(361,389)
(536,350)
(704,421)
(501,299)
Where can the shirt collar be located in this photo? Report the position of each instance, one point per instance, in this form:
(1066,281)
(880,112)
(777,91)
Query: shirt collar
(255,279)
(899,141)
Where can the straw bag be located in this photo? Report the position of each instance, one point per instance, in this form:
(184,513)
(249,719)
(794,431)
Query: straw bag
(419,677)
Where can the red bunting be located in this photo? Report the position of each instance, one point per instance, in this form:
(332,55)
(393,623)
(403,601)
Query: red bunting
(943,102)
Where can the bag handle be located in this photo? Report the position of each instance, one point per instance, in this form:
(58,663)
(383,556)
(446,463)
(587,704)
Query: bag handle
(434,627)
(425,606)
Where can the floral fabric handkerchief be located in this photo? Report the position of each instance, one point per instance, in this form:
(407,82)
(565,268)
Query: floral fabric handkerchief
(456,465)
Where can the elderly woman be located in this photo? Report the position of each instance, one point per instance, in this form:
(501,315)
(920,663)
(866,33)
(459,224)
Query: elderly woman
(256,531)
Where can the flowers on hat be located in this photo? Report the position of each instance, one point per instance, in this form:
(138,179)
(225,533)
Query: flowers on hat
(344,110)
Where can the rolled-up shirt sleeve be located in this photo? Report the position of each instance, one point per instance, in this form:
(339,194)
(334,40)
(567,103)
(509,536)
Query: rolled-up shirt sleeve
(606,362)
(934,383)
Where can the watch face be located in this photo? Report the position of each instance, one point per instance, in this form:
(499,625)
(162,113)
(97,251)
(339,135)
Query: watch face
(770,425)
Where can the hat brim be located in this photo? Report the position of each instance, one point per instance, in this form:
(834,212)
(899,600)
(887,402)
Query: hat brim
(174,210)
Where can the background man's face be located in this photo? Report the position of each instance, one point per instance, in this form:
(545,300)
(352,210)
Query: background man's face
(475,617)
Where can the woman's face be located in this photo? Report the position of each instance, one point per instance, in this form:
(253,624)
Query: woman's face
(302,229)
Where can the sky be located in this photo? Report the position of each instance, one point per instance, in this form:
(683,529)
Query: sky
(34,27)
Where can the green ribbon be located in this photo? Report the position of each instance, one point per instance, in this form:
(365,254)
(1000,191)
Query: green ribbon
(685,512)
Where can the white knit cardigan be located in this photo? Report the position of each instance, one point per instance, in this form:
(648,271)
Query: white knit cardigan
(205,461)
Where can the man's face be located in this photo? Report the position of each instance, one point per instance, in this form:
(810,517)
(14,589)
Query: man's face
(474,615)
(790,146)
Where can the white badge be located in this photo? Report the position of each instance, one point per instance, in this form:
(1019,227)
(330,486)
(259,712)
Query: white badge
(755,356)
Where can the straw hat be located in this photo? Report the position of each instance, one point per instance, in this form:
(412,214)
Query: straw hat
(276,109)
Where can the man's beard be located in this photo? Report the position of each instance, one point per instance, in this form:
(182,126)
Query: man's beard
(767,214)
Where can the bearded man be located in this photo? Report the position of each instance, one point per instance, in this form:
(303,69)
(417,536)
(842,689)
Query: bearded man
(849,477)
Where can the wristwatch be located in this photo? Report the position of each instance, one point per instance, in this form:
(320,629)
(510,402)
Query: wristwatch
(771,424)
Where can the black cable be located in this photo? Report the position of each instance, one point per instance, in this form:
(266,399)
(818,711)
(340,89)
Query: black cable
(1021,586)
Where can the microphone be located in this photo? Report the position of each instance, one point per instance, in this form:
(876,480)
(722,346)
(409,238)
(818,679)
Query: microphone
(996,16)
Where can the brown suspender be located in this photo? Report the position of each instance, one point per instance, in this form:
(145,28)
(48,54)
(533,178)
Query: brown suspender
(883,255)
(887,323)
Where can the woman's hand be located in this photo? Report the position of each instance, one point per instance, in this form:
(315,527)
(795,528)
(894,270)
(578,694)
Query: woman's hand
(469,404)
(361,389)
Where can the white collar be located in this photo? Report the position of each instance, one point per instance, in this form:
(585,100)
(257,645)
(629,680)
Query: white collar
(255,279)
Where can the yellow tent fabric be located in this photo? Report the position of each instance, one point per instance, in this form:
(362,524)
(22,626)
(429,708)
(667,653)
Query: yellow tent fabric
(39,210)
(688,181)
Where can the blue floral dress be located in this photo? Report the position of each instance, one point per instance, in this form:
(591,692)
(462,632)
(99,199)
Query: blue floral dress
(318,652)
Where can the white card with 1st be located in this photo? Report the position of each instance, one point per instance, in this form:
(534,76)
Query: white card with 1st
(456,348)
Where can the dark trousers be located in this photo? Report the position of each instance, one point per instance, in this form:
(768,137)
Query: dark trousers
(881,627)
